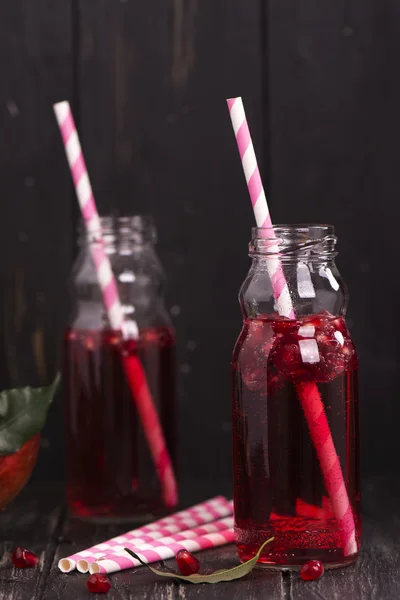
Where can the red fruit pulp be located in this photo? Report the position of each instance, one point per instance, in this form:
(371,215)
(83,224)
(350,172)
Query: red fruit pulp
(111,473)
(98,584)
(23,559)
(278,484)
(187,563)
(15,470)
(311,570)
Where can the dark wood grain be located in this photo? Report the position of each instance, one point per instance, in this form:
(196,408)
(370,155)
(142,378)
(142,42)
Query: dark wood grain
(153,81)
(148,82)
(376,575)
(332,129)
(141,583)
(35,520)
(35,198)
(257,585)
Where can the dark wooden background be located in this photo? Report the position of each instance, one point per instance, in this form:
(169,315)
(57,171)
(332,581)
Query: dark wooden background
(148,82)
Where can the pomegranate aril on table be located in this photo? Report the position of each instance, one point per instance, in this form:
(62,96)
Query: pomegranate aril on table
(187,563)
(209,522)
(98,584)
(312,570)
(24,559)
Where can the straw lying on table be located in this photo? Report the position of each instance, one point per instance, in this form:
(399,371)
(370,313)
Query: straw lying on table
(200,514)
(133,368)
(220,526)
(308,393)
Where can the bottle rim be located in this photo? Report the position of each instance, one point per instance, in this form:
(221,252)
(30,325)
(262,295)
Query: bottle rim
(305,241)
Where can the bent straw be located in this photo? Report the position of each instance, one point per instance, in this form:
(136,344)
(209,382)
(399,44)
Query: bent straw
(309,396)
(133,368)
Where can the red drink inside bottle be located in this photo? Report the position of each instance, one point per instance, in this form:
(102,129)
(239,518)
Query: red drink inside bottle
(280,488)
(111,473)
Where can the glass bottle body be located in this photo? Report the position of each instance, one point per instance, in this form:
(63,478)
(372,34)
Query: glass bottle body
(295,411)
(110,469)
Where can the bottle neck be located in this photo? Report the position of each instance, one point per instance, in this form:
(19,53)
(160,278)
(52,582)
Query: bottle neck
(130,245)
(122,235)
(293,273)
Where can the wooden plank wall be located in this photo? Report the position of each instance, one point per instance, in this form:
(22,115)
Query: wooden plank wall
(334,127)
(148,83)
(153,83)
(35,196)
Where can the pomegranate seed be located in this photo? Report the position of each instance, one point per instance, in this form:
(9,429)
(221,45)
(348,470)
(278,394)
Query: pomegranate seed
(335,351)
(311,570)
(98,583)
(23,559)
(187,563)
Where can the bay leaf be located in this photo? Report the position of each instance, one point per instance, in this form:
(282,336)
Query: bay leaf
(216,577)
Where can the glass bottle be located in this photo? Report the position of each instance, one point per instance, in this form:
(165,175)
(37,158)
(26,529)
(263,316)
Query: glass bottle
(295,406)
(110,471)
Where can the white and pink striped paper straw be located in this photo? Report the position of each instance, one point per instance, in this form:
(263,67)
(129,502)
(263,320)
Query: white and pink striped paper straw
(309,395)
(148,543)
(259,203)
(133,368)
(119,562)
(200,514)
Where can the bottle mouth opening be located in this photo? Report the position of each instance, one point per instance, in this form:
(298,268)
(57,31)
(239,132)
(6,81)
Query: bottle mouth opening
(302,241)
(311,230)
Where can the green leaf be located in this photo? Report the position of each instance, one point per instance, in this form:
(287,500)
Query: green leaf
(23,413)
(217,576)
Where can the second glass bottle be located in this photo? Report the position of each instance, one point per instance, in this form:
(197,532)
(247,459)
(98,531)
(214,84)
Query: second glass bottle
(110,470)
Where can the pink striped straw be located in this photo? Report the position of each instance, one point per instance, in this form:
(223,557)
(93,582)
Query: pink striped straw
(133,368)
(124,561)
(259,203)
(309,396)
(205,512)
(190,534)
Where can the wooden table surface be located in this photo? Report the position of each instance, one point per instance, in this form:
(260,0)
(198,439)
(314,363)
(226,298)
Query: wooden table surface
(37,520)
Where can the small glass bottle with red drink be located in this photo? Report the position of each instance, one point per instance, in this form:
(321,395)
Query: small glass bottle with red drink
(110,470)
(295,406)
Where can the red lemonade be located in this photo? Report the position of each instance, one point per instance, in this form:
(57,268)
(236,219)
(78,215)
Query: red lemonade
(279,486)
(111,472)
